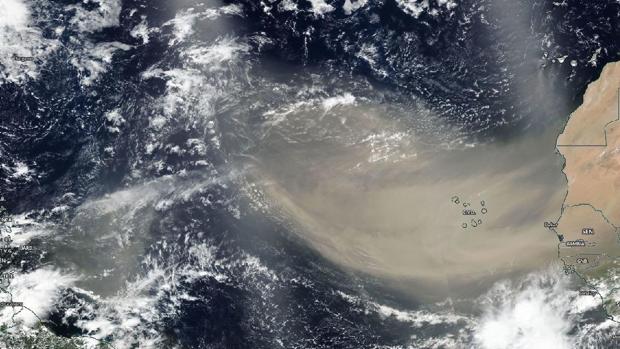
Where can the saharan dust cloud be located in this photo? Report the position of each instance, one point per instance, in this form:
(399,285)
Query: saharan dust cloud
(364,190)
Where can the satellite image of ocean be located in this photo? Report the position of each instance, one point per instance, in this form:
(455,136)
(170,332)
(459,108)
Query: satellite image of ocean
(364,174)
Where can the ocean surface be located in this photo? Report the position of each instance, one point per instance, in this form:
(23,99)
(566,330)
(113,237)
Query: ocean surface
(189,170)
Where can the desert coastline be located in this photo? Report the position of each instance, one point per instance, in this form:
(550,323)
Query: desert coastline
(589,145)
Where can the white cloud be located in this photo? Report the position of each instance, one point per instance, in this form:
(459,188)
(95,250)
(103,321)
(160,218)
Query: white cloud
(20,43)
(183,24)
(141,31)
(107,14)
(417,7)
(14,13)
(351,6)
(320,7)
(215,56)
(38,290)
(535,313)
(96,60)
(331,102)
